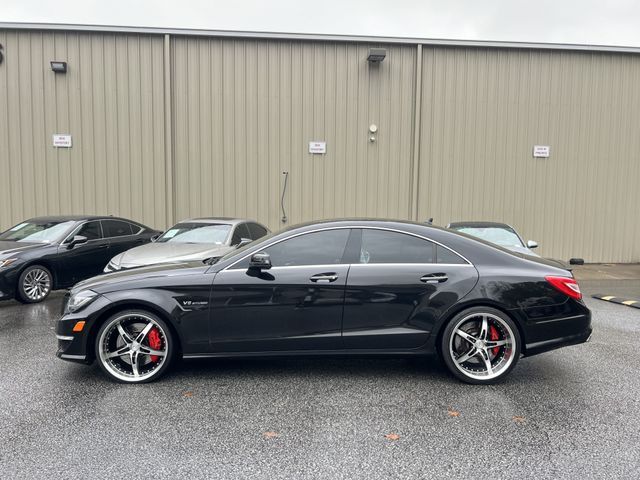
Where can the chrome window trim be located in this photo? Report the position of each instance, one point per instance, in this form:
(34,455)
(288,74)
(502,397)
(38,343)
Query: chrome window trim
(352,227)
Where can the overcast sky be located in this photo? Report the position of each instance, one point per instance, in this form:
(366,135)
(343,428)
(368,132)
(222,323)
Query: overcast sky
(605,22)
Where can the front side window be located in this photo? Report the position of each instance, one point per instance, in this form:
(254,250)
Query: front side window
(318,248)
(38,231)
(91,230)
(194,232)
(239,233)
(381,246)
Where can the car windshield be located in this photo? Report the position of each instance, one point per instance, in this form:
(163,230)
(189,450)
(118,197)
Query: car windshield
(505,237)
(196,233)
(45,231)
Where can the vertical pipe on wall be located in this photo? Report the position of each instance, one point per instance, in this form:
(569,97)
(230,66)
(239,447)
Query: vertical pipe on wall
(168,135)
(415,166)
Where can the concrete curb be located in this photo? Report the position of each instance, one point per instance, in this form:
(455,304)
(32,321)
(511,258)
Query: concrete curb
(629,302)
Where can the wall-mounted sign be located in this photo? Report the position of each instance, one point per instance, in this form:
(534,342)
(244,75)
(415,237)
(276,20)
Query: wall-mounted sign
(1,53)
(317,147)
(61,141)
(541,151)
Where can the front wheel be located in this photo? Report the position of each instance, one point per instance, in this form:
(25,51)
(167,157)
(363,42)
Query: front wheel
(480,345)
(34,284)
(134,346)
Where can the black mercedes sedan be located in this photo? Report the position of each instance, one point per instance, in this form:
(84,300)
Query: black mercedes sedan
(343,287)
(48,253)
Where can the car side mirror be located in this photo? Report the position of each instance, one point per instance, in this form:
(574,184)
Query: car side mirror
(243,242)
(155,237)
(532,244)
(260,261)
(77,240)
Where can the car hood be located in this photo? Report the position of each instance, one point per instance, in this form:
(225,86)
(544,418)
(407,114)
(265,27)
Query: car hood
(109,282)
(10,247)
(153,253)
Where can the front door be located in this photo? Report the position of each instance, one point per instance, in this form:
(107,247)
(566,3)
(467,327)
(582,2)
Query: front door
(295,305)
(398,288)
(84,260)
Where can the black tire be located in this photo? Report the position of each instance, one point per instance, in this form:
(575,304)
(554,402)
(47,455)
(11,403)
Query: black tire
(459,342)
(34,284)
(109,341)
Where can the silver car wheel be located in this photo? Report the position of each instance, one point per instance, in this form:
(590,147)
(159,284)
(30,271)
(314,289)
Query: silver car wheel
(133,347)
(36,284)
(482,346)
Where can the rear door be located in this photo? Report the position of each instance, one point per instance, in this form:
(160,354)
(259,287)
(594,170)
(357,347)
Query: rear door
(122,236)
(295,305)
(398,287)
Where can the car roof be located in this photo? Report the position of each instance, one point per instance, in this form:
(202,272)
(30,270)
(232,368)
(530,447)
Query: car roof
(214,220)
(480,224)
(76,218)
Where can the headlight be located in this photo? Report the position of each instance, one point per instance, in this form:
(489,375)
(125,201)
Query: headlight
(80,300)
(112,266)
(7,261)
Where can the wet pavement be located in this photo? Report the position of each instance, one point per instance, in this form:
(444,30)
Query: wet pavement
(571,413)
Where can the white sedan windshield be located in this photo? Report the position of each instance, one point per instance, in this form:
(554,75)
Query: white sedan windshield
(196,233)
(497,235)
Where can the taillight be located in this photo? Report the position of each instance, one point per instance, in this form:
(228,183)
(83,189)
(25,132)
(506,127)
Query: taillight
(566,285)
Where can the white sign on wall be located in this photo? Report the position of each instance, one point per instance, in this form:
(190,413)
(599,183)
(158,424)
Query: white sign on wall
(541,151)
(317,147)
(61,141)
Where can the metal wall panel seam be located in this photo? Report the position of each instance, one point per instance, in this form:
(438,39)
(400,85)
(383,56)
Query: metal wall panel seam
(170,207)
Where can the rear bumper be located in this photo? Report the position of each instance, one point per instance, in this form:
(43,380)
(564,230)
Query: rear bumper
(553,343)
(572,327)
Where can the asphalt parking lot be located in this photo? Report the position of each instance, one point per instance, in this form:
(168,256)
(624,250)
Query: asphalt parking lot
(571,413)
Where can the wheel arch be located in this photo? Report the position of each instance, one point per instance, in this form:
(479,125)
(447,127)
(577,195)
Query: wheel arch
(42,262)
(453,311)
(121,307)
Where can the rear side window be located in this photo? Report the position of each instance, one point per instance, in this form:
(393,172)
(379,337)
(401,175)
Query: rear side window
(116,228)
(381,246)
(256,231)
(447,256)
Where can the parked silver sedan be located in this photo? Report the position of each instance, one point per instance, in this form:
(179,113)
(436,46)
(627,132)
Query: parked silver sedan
(194,239)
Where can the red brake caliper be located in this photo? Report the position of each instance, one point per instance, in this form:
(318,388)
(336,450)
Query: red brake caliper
(155,342)
(494,335)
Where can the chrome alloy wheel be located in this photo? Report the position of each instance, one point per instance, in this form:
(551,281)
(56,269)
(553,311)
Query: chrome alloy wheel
(36,284)
(133,347)
(482,346)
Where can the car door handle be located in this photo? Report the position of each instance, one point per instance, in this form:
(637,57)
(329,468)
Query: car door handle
(434,278)
(324,278)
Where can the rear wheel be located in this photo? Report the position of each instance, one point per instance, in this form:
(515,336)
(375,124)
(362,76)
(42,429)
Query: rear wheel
(134,346)
(480,345)
(34,284)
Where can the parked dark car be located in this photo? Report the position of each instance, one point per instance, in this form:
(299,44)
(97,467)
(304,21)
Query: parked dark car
(49,253)
(337,287)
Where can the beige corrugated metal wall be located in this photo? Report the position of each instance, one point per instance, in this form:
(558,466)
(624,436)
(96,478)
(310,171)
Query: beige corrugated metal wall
(110,101)
(482,112)
(242,111)
(245,111)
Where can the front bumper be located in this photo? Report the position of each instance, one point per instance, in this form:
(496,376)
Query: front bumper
(8,282)
(75,346)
